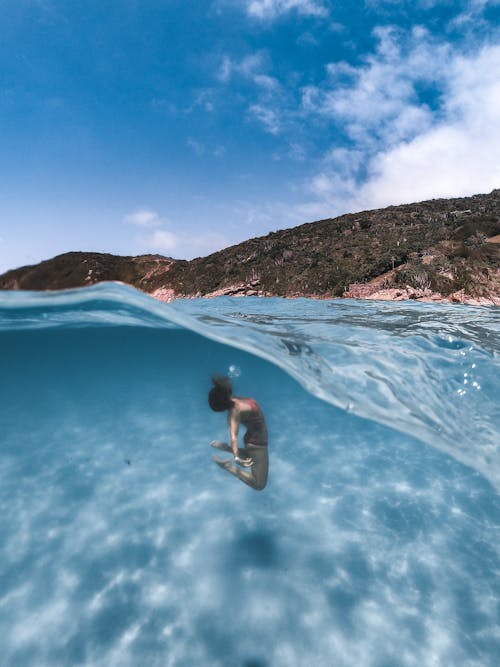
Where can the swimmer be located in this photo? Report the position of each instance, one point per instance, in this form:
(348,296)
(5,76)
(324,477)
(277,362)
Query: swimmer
(247,412)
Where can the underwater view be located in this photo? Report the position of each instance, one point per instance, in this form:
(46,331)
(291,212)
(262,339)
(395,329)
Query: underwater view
(375,542)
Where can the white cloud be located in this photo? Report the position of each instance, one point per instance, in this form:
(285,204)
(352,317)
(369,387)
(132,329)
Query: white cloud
(458,155)
(162,240)
(402,150)
(204,99)
(144,218)
(180,244)
(249,66)
(267,116)
(378,100)
(158,235)
(270,9)
(225,69)
(269,94)
(266,82)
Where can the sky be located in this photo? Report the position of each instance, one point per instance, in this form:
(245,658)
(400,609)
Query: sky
(182,127)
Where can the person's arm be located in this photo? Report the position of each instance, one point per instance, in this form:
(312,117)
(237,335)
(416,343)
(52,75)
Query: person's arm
(234,425)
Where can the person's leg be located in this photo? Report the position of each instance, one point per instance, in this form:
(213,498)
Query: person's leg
(257,478)
(224,447)
(228,465)
(260,467)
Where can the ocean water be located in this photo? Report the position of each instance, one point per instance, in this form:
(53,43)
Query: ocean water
(375,542)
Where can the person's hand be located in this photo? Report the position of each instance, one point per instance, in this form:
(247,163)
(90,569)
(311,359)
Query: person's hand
(246,463)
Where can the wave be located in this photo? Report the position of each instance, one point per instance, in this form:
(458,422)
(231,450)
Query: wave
(430,371)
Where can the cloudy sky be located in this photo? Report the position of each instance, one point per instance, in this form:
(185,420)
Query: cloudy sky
(182,126)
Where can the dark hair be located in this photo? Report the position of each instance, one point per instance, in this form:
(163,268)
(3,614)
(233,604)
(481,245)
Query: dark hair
(219,397)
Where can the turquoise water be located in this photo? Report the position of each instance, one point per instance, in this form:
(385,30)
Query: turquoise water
(375,543)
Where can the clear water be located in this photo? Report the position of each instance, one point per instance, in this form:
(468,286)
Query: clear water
(375,543)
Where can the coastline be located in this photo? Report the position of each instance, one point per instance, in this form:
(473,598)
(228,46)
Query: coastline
(407,293)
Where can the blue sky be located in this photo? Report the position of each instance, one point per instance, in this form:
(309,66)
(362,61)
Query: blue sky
(138,126)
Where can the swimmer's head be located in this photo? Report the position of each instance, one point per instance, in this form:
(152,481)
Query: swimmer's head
(220,396)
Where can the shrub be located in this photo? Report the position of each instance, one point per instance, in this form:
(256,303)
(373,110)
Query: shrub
(415,276)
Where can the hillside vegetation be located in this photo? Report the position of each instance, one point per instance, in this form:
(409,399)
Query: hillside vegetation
(442,245)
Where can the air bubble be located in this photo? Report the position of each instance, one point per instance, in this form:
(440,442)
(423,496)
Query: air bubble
(234,371)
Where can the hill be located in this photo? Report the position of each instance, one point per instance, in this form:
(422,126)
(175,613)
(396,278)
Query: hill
(444,247)
(80,269)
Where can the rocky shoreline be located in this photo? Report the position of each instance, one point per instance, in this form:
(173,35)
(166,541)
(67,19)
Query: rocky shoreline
(428,296)
(406,293)
(388,294)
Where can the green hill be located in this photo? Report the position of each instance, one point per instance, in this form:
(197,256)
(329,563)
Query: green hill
(442,245)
